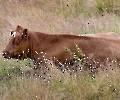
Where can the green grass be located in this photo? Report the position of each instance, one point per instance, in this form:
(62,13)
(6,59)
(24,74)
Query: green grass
(64,87)
(56,16)
(111,6)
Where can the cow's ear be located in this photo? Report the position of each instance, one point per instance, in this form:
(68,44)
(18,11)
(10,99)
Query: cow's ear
(19,28)
(25,34)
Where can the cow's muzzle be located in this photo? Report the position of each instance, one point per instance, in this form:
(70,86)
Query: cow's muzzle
(6,55)
(3,53)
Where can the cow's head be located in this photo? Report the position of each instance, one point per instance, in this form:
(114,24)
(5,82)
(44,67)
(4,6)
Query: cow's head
(18,46)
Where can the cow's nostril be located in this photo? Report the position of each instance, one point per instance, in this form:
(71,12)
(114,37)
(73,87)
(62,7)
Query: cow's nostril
(3,53)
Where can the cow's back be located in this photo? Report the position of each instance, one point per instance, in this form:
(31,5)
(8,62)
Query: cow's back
(110,35)
(97,46)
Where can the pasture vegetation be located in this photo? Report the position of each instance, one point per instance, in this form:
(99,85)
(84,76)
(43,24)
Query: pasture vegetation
(58,16)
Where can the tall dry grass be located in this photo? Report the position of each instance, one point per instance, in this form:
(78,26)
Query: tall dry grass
(105,86)
(58,16)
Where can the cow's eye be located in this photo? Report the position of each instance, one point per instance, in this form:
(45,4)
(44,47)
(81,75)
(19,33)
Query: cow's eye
(11,33)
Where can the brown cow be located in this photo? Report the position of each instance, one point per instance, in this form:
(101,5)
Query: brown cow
(42,47)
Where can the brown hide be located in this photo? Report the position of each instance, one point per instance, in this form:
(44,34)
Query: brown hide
(40,46)
(110,35)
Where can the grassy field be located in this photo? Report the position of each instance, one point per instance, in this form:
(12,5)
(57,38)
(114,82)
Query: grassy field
(58,16)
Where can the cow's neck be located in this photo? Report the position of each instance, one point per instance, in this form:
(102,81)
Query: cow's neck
(37,45)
